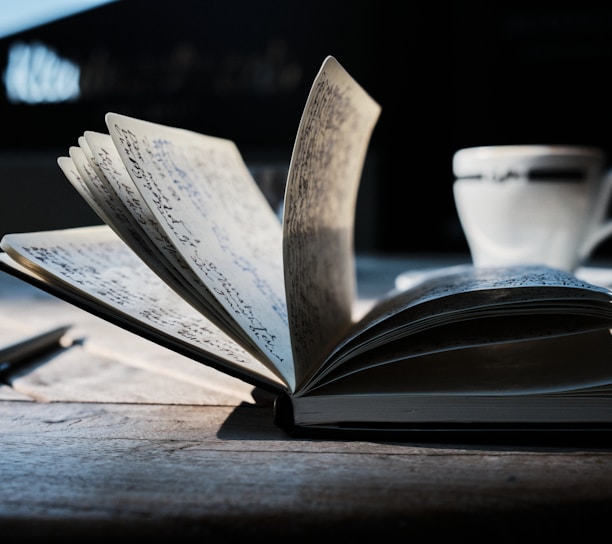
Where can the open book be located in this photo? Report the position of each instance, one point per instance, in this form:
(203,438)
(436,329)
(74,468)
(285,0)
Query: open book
(191,255)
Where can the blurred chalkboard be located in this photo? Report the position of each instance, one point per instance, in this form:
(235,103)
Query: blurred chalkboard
(446,77)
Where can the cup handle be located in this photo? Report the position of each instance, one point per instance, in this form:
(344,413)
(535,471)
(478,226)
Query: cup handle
(601,230)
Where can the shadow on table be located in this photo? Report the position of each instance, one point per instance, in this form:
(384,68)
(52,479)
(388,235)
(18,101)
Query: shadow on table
(256,422)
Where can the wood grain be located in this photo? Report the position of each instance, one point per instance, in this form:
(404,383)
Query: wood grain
(191,466)
(72,469)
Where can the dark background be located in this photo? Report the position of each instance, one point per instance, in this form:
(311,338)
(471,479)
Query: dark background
(446,77)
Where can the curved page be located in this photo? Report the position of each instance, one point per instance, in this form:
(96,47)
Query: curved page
(92,263)
(318,223)
(202,194)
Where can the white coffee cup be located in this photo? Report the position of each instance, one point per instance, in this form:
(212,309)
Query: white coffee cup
(532,204)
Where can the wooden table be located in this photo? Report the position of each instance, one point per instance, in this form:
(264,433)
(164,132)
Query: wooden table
(117,437)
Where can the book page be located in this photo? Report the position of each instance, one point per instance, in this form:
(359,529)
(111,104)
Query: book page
(202,194)
(133,220)
(320,199)
(93,187)
(468,306)
(81,175)
(69,169)
(92,263)
(551,367)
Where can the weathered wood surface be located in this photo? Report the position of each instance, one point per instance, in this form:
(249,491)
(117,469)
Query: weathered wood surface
(136,441)
(75,469)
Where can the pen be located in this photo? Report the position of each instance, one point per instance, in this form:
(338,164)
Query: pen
(22,351)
